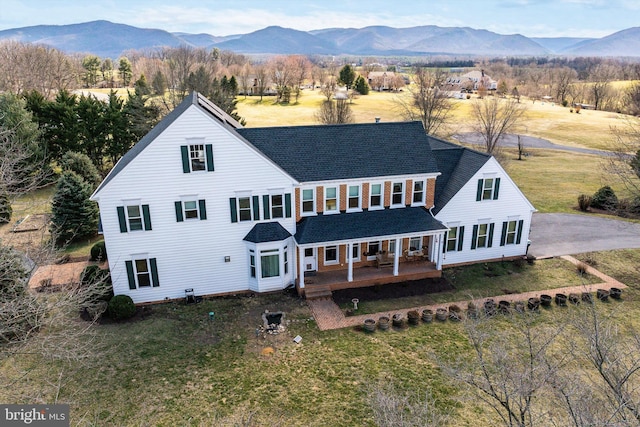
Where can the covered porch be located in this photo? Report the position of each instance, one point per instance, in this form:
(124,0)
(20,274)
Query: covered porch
(371,248)
(322,283)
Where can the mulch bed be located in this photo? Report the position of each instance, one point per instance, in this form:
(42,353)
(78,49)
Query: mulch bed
(395,290)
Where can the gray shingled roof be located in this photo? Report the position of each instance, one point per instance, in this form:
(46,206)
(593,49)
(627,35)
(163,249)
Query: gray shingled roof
(366,224)
(194,98)
(457,165)
(333,152)
(267,232)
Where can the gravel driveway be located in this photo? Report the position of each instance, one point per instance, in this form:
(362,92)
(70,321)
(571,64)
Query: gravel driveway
(556,234)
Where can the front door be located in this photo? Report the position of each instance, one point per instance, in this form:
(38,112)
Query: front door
(310,263)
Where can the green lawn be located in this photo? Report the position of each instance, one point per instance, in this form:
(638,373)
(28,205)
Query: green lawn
(176,367)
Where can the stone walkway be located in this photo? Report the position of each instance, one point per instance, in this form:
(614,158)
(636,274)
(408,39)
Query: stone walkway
(329,316)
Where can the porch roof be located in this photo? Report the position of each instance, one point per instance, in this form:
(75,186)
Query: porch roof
(366,224)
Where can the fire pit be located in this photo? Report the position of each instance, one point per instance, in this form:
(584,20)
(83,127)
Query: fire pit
(273,322)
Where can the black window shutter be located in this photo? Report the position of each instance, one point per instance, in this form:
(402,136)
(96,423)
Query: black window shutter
(480,188)
(496,189)
(179,216)
(519,236)
(460,237)
(209,153)
(146,216)
(474,237)
(265,206)
(202,204)
(233,205)
(130,274)
(154,272)
(503,238)
(186,164)
(491,226)
(287,205)
(444,245)
(122,220)
(256,208)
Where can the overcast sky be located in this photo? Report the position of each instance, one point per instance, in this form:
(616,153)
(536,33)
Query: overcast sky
(532,18)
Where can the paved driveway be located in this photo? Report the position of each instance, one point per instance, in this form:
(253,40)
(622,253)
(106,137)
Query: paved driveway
(558,234)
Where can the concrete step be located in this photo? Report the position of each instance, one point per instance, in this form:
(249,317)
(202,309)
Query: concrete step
(317,292)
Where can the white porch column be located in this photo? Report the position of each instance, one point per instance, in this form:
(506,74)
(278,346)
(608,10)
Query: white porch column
(350,262)
(301,267)
(396,257)
(439,238)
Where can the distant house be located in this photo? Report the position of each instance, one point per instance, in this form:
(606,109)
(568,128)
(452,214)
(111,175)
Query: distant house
(470,82)
(382,80)
(202,203)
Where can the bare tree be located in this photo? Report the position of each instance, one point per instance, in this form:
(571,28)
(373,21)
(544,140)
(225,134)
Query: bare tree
(624,163)
(632,99)
(392,408)
(335,112)
(262,80)
(600,87)
(561,80)
(428,103)
(283,74)
(494,118)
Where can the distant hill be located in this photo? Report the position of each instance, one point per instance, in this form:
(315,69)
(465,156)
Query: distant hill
(107,39)
(622,43)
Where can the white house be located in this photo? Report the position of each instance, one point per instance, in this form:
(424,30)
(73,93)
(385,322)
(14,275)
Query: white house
(202,203)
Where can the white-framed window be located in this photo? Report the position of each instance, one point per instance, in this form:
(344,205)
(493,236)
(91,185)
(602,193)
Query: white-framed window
(375,196)
(252,263)
(512,228)
(244,208)
(392,247)
(330,199)
(415,244)
(331,255)
(454,236)
(397,194)
(372,249)
(285,256)
(277,206)
(134,217)
(511,232)
(308,201)
(270,263)
(488,188)
(190,209)
(482,235)
(353,198)
(197,158)
(142,272)
(418,197)
(355,252)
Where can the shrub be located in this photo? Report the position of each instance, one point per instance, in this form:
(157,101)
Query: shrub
(581,268)
(584,202)
(5,208)
(90,274)
(99,251)
(604,198)
(121,307)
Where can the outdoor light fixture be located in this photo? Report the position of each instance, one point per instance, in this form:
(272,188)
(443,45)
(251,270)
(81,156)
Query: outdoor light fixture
(227,259)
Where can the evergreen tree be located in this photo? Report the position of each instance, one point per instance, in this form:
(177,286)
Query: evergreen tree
(74,216)
(159,83)
(361,86)
(140,117)
(125,71)
(142,86)
(81,164)
(347,76)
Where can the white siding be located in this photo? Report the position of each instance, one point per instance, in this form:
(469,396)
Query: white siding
(464,210)
(189,254)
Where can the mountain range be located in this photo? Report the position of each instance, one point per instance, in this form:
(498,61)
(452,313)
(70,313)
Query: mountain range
(109,40)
